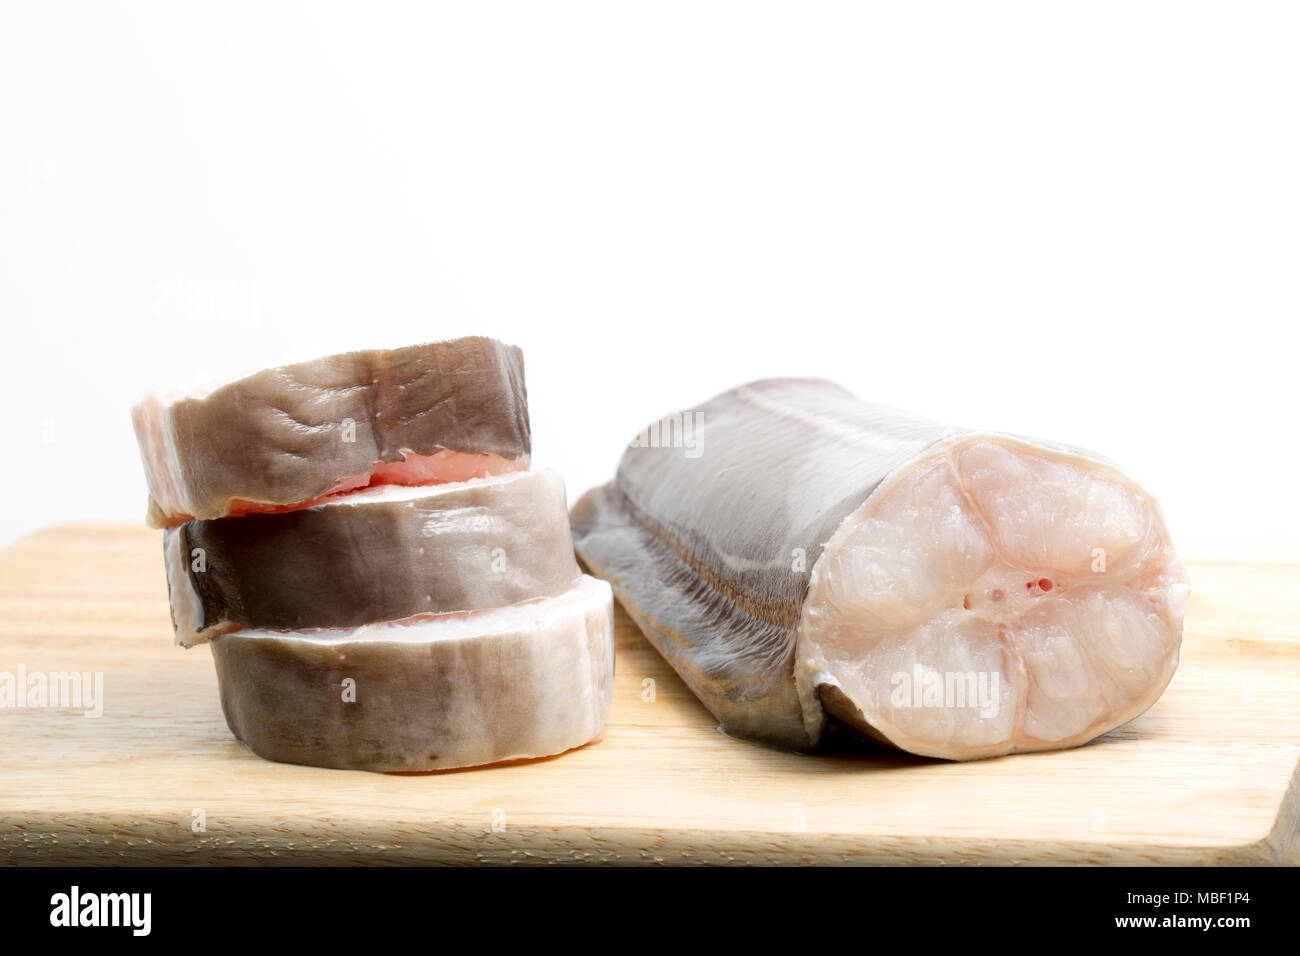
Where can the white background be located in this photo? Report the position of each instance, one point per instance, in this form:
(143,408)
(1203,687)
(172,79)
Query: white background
(1076,221)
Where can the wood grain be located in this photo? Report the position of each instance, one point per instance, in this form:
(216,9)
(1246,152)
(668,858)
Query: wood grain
(1208,775)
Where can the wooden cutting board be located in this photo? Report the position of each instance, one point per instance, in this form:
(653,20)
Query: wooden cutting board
(1208,775)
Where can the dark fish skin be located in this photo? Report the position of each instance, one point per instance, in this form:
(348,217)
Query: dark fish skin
(710,553)
(377,556)
(276,436)
(430,695)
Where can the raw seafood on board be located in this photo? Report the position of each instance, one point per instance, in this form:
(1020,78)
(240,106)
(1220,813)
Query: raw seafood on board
(440,690)
(286,436)
(380,554)
(804,558)
(384,584)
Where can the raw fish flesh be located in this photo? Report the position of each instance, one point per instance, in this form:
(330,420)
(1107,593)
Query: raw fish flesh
(803,558)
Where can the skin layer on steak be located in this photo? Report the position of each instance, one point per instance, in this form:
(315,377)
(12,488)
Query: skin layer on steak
(428,693)
(382,554)
(288,436)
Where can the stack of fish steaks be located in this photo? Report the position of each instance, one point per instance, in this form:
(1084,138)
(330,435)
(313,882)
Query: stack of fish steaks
(384,582)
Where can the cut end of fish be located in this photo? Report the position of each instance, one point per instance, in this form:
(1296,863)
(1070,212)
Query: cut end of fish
(993,597)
